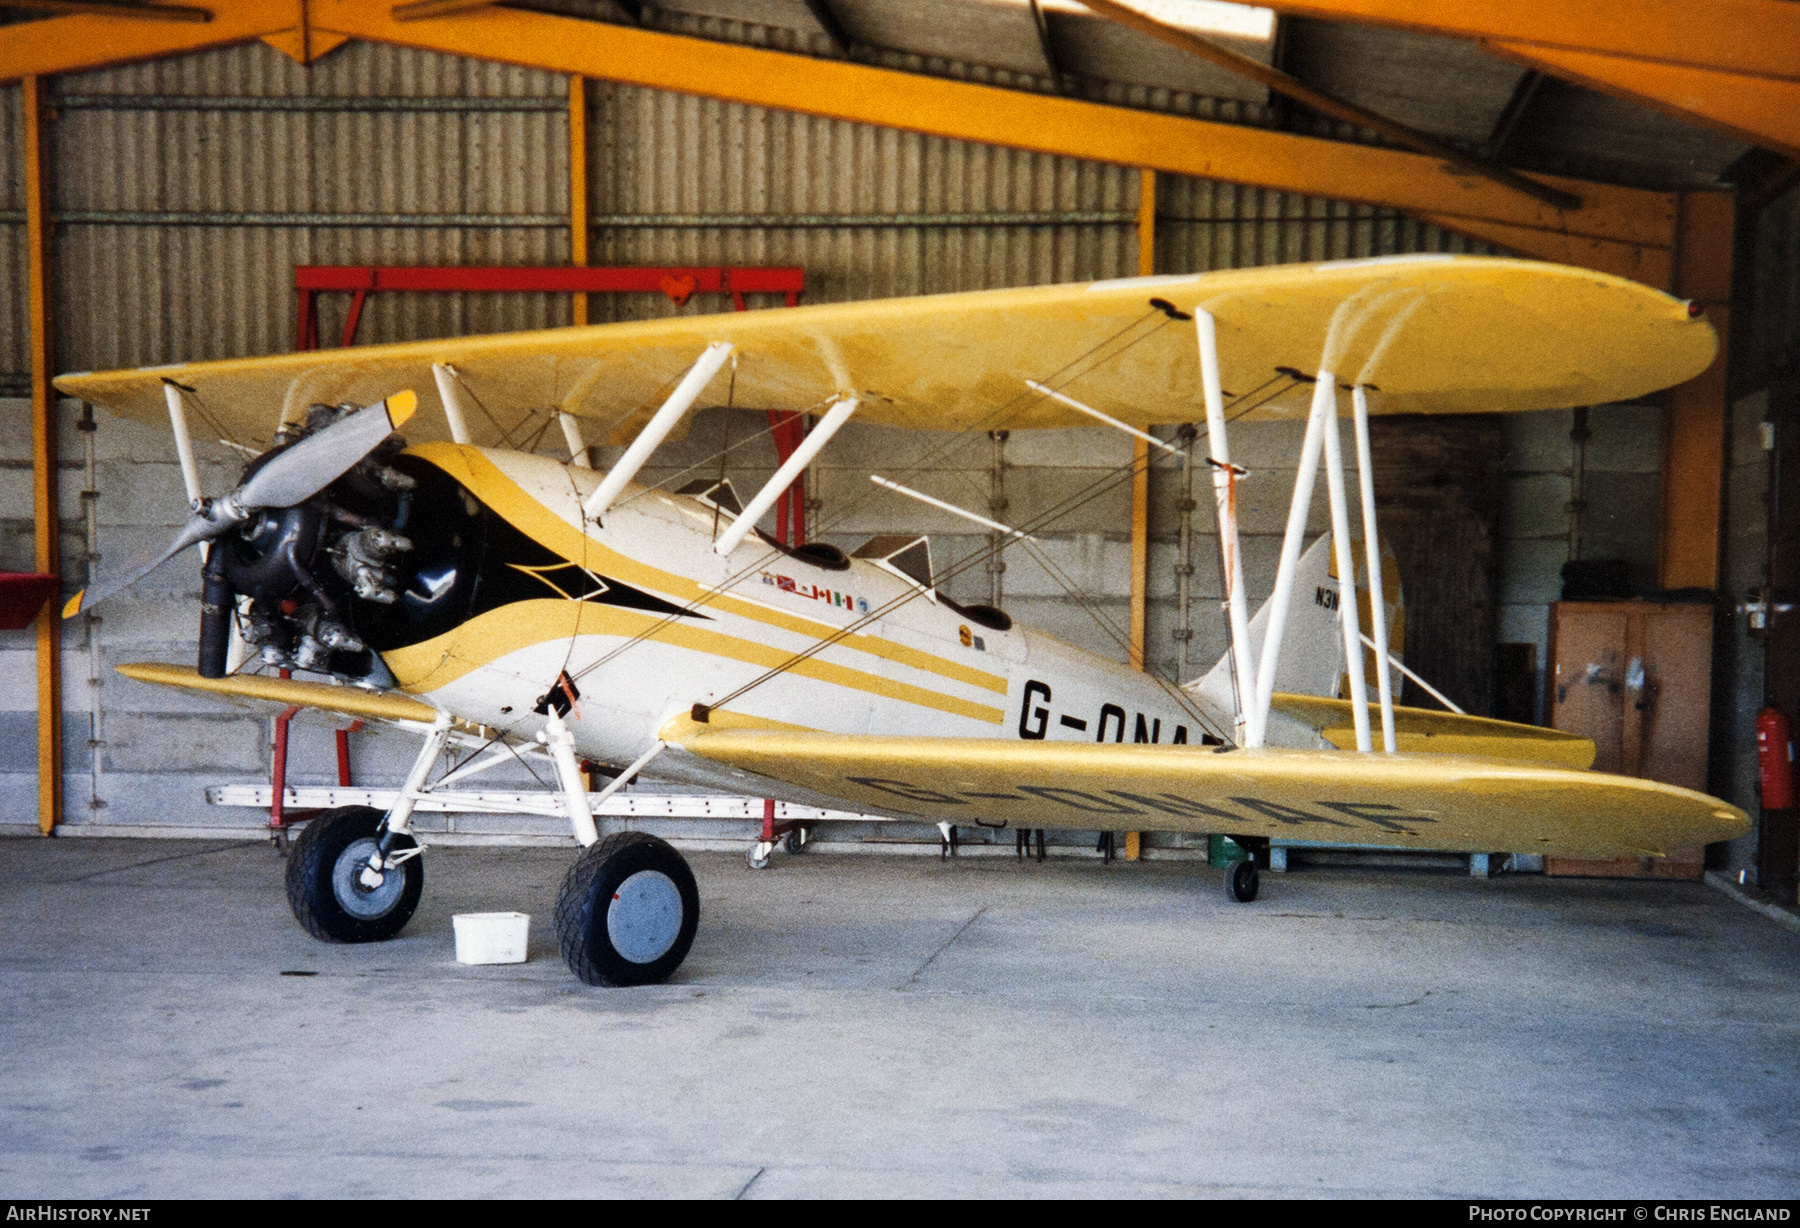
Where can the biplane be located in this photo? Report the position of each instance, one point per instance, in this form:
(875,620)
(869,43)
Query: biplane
(494,599)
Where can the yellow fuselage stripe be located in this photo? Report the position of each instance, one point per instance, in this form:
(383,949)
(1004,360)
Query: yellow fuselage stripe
(440,661)
(494,488)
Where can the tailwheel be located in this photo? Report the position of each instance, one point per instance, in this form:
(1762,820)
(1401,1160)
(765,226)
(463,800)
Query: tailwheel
(627,911)
(1242,880)
(325,884)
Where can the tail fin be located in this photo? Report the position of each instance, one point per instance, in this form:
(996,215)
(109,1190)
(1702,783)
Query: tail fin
(1312,649)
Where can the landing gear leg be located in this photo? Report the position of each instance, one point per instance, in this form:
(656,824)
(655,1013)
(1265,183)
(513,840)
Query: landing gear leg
(355,874)
(397,827)
(628,907)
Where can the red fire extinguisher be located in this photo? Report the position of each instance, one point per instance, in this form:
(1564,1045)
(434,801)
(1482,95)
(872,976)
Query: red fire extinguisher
(1775,759)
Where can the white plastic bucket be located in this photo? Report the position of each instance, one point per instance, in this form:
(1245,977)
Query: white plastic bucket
(491,937)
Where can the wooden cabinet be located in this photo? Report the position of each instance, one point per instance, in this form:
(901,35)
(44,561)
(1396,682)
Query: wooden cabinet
(1636,677)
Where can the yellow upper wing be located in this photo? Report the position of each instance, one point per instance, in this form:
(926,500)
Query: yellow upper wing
(1434,334)
(1457,803)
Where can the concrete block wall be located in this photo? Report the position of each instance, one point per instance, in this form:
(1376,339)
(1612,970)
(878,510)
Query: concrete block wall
(136,755)
(142,756)
(1620,489)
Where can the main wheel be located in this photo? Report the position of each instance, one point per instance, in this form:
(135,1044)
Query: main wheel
(627,911)
(324,885)
(1241,881)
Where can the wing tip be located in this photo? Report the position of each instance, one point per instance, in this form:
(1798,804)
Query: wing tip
(72,606)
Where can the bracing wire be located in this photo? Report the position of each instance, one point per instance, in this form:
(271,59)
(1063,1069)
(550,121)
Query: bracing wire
(962,439)
(505,435)
(1101,486)
(1095,490)
(1281,391)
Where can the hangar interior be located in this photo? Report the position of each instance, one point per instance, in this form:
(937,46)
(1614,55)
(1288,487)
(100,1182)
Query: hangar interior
(166,178)
(205,179)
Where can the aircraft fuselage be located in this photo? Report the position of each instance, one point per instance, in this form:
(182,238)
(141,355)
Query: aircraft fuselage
(512,586)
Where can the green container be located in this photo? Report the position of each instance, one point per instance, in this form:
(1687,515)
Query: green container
(1223,850)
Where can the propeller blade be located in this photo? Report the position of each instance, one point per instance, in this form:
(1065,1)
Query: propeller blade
(196,530)
(296,474)
(291,476)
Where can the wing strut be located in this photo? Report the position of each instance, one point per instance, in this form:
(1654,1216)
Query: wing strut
(1449,704)
(1252,718)
(954,510)
(1365,478)
(184,443)
(1324,405)
(1346,569)
(686,393)
(1091,412)
(784,477)
(451,396)
(571,429)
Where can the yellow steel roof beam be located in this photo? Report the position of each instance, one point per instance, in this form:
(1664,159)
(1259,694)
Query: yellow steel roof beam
(1730,65)
(423,10)
(1071,127)
(1624,230)
(133,12)
(1292,87)
(1760,110)
(1747,37)
(78,43)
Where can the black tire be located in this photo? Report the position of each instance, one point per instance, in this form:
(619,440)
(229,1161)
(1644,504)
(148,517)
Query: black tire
(593,921)
(322,887)
(1241,881)
(795,842)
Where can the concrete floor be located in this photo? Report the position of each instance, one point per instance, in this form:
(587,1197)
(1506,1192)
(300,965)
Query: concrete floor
(897,1026)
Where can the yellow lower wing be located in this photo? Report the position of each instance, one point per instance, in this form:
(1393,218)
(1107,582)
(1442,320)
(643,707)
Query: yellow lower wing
(1420,731)
(286,692)
(1457,803)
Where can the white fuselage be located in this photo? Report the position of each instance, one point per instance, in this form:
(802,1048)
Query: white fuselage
(919,668)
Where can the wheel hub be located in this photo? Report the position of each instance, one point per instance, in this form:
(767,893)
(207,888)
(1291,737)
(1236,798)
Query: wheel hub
(353,896)
(643,918)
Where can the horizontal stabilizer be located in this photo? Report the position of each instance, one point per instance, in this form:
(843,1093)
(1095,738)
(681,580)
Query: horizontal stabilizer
(1423,731)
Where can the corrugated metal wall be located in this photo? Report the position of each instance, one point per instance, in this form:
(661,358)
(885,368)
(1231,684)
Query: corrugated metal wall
(491,186)
(685,159)
(1204,225)
(470,167)
(15,362)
